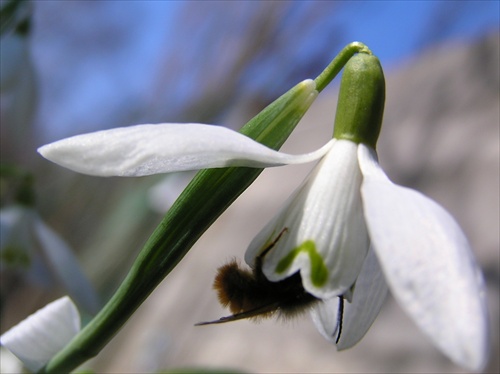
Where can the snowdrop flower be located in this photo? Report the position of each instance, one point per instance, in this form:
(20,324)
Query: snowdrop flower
(29,247)
(348,205)
(348,230)
(40,336)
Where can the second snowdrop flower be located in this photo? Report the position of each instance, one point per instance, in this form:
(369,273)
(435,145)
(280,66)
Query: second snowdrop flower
(39,337)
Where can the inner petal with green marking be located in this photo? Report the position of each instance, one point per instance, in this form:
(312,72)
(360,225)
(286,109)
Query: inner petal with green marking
(319,272)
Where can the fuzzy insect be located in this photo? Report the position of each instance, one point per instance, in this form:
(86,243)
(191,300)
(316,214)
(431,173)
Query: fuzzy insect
(249,294)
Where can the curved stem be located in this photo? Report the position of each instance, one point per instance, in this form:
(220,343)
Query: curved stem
(338,63)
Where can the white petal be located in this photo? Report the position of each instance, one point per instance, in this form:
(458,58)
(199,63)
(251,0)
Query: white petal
(325,317)
(326,211)
(39,337)
(9,363)
(428,265)
(152,149)
(368,297)
(65,267)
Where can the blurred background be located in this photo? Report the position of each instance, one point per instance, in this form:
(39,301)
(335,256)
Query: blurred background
(69,67)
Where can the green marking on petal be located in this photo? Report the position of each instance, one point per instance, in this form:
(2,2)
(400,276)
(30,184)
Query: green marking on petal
(286,261)
(319,272)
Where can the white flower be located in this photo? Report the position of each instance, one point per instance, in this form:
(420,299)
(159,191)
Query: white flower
(39,337)
(346,203)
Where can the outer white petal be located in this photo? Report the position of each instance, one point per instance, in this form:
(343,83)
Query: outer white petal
(368,297)
(152,149)
(39,337)
(428,264)
(327,210)
(325,317)
(65,267)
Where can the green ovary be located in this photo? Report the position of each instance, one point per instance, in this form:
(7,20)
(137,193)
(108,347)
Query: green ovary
(319,272)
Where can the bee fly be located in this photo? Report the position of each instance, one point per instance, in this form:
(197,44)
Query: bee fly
(249,294)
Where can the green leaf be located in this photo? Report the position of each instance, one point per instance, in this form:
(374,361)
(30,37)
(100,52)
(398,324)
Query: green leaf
(200,204)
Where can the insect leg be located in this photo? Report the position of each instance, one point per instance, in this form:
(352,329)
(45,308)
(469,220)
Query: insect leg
(272,244)
(260,257)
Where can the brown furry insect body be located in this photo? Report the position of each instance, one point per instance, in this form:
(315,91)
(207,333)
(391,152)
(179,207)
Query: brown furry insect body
(249,294)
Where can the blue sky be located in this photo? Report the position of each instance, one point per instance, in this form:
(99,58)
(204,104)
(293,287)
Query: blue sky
(398,29)
(88,82)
